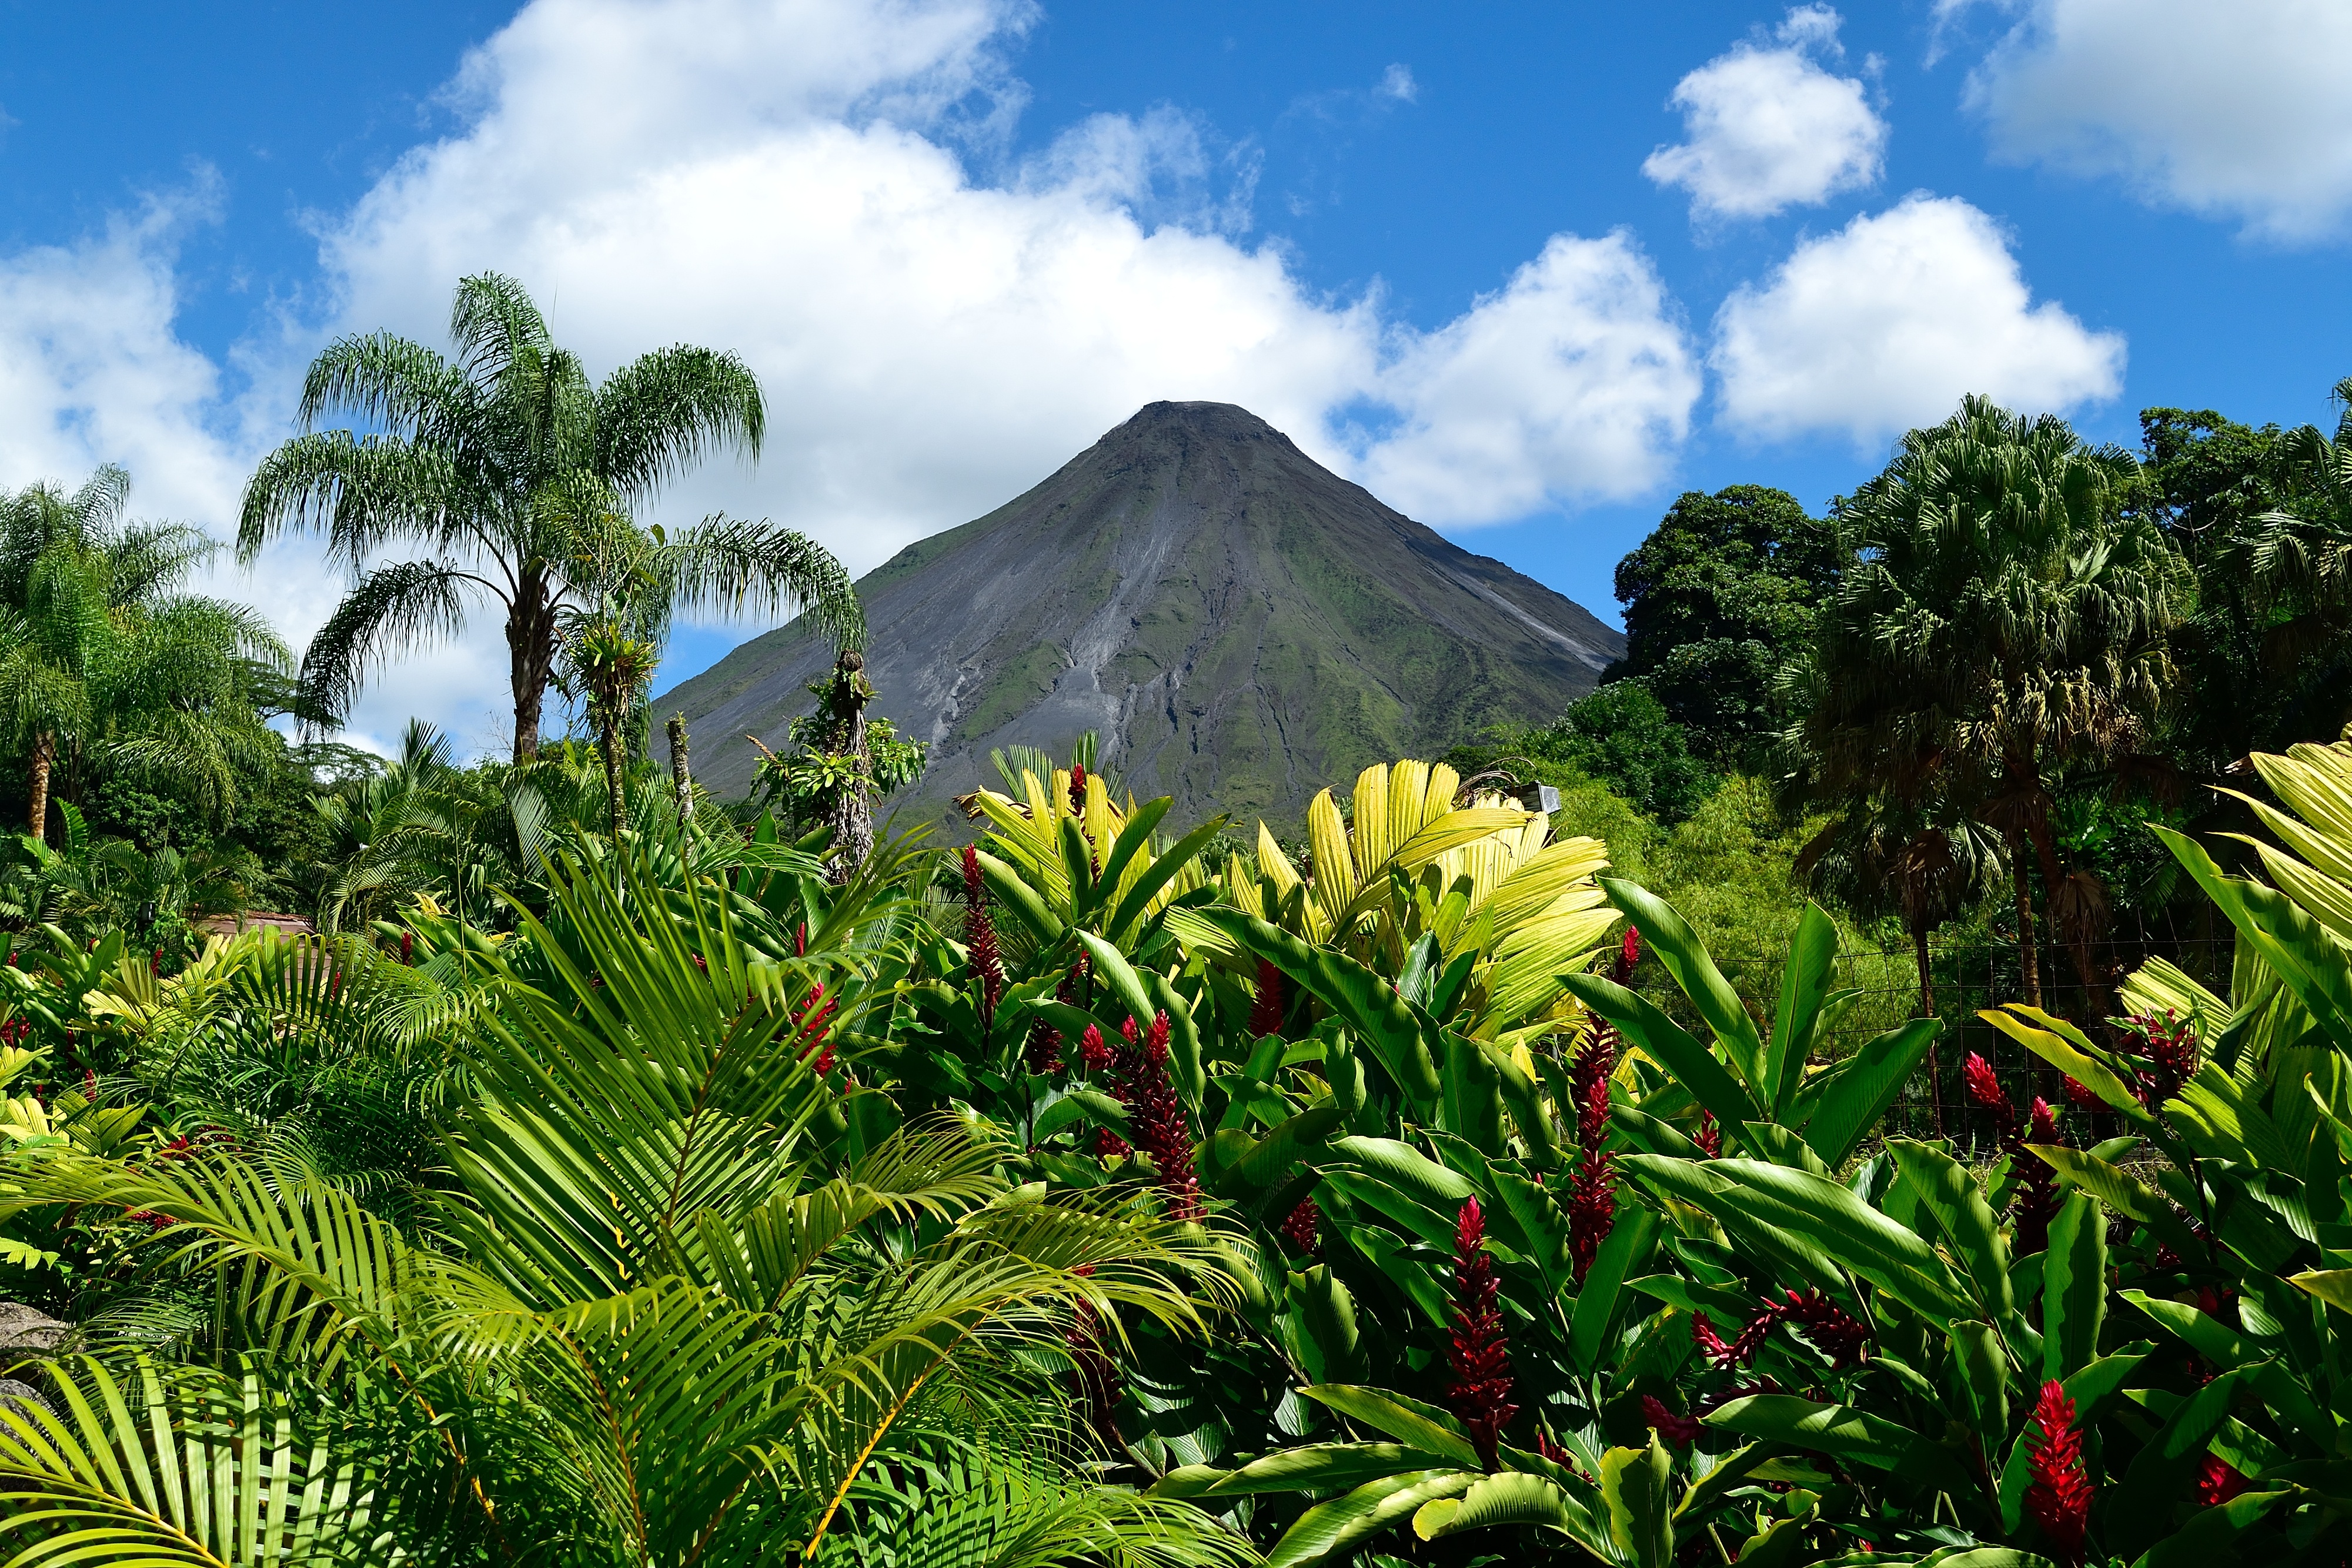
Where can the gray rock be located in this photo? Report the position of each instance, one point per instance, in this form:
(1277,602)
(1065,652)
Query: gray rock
(24,1331)
(22,1397)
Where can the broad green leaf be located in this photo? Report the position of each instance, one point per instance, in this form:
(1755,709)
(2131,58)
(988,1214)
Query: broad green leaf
(1016,895)
(1128,919)
(1823,1213)
(1669,1044)
(1511,1497)
(2161,1471)
(1844,1432)
(1184,1069)
(1543,1222)
(1132,840)
(1813,964)
(1685,957)
(2209,1337)
(2209,1537)
(1364,998)
(2127,1195)
(2025,1026)
(1980,1376)
(1110,967)
(1859,1090)
(1634,1483)
(1319,1466)
(1950,1193)
(1422,1427)
(2073,1287)
(1626,1250)
(1331,1528)
(1528,1114)
(1323,1319)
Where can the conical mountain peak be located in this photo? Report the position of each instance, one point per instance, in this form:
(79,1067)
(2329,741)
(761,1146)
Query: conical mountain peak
(1241,625)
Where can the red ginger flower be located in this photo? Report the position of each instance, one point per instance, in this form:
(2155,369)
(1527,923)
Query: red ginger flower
(2219,1480)
(1093,1055)
(1593,1185)
(1479,1355)
(1157,1117)
(2059,1498)
(2083,1097)
(814,1019)
(2036,1203)
(979,940)
(1679,1431)
(1078,788)
(1303,1224)
(1551,1450)
(1629,953)
(1709,1137)
(1109,1145)
(1045,1040)
(1266,1012)
(2171,1054)
(1827,1326)
(1984,1087)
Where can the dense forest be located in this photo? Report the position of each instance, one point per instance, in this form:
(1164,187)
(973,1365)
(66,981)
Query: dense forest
(1892,1106)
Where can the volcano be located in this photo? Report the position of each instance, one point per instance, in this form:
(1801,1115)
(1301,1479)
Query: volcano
(1242,625)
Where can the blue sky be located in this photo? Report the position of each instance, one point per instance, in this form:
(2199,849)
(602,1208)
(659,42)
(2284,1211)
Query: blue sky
(1481,258)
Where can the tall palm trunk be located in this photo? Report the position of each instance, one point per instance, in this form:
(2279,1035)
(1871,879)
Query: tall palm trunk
(2020,880)
(45,756)
(530,660)
(1927,1006)
(681,777)
(850,814)
(2078,946)
(609,735)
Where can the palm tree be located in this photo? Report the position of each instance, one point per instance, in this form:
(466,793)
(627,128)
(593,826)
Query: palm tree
(514,475)
(2002,620)
(608,667)
(669,1308)
(101,657)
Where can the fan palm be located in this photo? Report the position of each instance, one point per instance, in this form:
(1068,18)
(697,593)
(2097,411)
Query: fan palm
(514,474)
(2002,621)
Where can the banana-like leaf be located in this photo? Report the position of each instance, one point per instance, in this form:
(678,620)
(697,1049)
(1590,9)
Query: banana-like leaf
(2073,1287)
(1418,1425)
(1364,998)
(1672,1047)
(1949,1192)
(1633,1484)
(1685,957)
(1597,1301)
(1813,964)
(1324,1533)
(1318,1466)
(1856,1094)
(1512,1497)
(1845,1432)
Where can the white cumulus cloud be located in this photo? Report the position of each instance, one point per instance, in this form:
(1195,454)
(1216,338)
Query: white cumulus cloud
(1577,367)
(1766,128)
(933,343)
(1888,322)
(823,186)
(2240,111)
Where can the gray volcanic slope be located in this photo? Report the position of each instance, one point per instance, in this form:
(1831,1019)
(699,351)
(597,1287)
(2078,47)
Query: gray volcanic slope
(1242,625)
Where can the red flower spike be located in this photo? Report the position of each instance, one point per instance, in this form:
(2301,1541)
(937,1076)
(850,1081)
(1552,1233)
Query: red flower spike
(2219,1480)
(1709,1138)
(979,940)
(2171,1055)
(814,1019)
(408,948)
(1109,1145)
(1558,1456)
(1832,1331)
(2059,1500)
(1479,1355)
(1592,1185)
(1629,953)
(1157,1117)
(2083,1097)
(1679,1431)
(2036,1203)
(1984,1087)
(1045,1040)
(1266,1012)
(1710,1343)
(1303,1225)
(1093,1055)
(1078,788)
